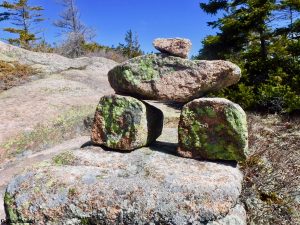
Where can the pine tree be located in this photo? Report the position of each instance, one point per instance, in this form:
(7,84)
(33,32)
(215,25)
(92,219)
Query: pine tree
(23,16)
(131,48)
(262,36)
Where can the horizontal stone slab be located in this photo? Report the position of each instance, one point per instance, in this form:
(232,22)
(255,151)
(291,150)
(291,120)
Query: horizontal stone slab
(164,77)
(146,186)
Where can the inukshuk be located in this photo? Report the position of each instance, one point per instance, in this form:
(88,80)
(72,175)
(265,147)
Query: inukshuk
(209,128)
(147,186)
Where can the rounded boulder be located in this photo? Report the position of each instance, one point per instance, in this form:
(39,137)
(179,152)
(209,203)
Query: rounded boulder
(213,129)
(125,123)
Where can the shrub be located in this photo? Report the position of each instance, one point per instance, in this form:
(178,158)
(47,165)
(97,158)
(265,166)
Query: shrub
(278,94)
(73,46)
(96,50)
(12,74)
(240,93)
(278,98)
(42,46)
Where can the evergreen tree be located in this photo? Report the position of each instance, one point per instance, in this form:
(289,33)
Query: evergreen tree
(131,48)
(262,36)
(23,16)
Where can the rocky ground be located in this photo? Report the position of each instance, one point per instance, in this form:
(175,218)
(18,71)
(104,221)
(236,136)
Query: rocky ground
(50,108)
(271,187)
(47,111)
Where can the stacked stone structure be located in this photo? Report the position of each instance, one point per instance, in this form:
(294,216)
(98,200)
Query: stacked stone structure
(94,185)
(209,128)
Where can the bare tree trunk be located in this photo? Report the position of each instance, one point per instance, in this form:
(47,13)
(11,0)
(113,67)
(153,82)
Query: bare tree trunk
(264,56)
(74,17)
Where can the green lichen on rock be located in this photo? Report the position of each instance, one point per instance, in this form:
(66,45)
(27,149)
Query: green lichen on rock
(10,210)
(165,77)
(213,129)
(12,214)
(125,123)
(147,68)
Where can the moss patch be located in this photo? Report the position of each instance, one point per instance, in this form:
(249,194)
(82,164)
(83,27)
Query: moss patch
(68,125)
(10,210)
(65,158)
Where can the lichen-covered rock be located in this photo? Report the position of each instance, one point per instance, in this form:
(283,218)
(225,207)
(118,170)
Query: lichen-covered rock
(164,77)
(125,123)
(214,129)
(93,186)
(175,46)
(237,216)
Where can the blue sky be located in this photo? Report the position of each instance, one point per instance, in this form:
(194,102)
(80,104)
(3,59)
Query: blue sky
(148,18)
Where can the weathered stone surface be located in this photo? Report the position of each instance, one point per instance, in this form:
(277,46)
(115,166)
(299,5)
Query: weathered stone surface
(213,128)
(93,186)
(163,77)
(171,112)
(49,108)
(50,62)
(237,216)
(125,123)
(174,46)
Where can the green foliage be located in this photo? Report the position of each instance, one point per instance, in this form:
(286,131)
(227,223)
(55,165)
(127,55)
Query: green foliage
(240,93)
(268,54)
(131,48)
(22,17)
(278,97)
(94,47)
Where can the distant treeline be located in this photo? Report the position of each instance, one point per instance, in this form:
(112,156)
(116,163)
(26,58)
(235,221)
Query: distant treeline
(25,20)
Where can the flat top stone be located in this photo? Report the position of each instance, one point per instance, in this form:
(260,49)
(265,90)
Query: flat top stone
(144,186)
(175,46)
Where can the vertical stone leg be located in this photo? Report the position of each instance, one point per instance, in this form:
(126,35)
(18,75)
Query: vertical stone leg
(213,129)
(125,123)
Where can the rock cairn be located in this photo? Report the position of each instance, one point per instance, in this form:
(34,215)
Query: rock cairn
(148,186)
(209,128)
